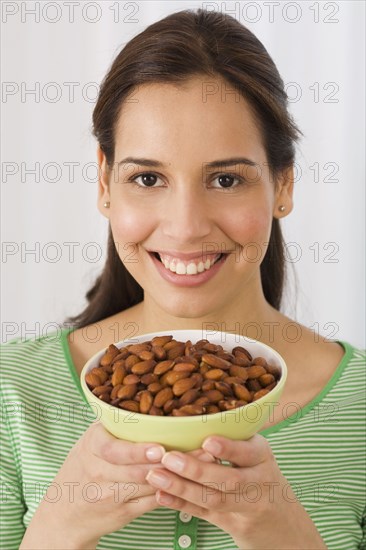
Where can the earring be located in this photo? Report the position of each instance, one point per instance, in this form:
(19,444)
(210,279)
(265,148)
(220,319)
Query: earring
(107,204)
(282,208)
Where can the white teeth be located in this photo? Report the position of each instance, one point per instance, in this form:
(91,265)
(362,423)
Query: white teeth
(172,267)
(192,268)
(181,269)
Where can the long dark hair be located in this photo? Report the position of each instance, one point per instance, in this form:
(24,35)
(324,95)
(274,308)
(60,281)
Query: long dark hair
(182,45)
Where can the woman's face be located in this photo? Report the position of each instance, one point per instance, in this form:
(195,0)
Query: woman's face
(177,205)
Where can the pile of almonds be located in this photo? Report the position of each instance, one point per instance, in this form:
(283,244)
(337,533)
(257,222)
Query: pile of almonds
(166,377)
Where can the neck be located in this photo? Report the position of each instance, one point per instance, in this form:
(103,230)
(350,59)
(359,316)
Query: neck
(251,316)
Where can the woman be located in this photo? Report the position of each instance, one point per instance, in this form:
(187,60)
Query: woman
(196,153)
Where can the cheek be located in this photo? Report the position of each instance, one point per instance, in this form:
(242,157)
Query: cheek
(249,227)
(129,226)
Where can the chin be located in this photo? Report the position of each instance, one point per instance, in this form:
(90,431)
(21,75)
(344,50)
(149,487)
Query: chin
(186,309)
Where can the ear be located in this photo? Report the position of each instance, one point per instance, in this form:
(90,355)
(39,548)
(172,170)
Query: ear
(103,183)
(284,193)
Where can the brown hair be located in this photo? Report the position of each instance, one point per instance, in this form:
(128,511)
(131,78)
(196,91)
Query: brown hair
(180,46)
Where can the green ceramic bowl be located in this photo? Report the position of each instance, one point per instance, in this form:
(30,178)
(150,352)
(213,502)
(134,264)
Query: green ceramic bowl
(188,432)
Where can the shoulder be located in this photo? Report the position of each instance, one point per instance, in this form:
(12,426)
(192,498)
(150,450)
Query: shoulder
(23,357)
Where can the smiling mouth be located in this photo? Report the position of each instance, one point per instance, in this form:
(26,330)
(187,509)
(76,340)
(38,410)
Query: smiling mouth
(191,267)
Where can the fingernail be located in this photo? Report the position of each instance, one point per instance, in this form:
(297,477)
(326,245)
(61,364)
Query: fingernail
(206,457)
(155,453)
(165,498)
(173,462)
(156,478)
(212,446)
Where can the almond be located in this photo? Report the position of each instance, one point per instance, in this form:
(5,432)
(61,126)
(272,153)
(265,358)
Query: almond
(138,348)
(173,376)
(146,401)
(214,396)
(129,405)
(189,410)
(274,370)
(169,345)
(127,392)
(143,367)
(212,409)
(131,379)
(92,380)
(188,367)
(208,385)
(261,361)
(241,359)
(255,371)
(118,375)
(159,353)
(253,385)
(102,389)
(266,379)
(155,411)
(170,405)
(241,372)
(149,378)
(146,355)
(223,387)
(216,362)
(183,385)
(163,396)
(176,351)
(214,374)
(131,361)
(188,397)
(109,355)
(161,340)
(242,350)
(115,391)
(163,366)
(242,392)
(154,388)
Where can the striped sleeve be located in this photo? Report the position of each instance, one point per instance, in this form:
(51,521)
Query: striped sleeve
(12,506)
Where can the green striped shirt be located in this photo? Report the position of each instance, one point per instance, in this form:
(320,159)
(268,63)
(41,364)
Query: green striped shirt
(320,449)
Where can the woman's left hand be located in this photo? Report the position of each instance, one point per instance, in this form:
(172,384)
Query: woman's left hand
(252,500)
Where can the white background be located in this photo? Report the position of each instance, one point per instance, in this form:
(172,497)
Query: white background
(319,50)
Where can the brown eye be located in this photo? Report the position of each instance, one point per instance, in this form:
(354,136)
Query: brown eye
(226,181)
(148,179)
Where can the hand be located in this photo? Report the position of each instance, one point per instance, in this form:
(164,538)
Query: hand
(252,501)
(102,488)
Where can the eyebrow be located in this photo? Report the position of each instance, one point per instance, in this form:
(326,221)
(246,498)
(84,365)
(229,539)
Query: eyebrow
(213,164)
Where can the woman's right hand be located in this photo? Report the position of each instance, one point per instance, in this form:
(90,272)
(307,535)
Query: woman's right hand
(102,488)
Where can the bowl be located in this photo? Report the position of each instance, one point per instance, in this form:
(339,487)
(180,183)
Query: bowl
(186,433)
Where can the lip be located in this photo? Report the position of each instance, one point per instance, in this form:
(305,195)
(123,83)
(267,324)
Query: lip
(188,280)
(188,255)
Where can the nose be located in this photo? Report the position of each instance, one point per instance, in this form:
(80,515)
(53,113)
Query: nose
(186,218)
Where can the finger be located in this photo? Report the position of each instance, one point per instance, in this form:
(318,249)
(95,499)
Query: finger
(137,509)
(119,451)
(205,496)
(177,503)
(244,454)
(180,469)
(202,455)
(131,473)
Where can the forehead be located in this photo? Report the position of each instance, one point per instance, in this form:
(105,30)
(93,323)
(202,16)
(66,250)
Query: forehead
(202,115)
